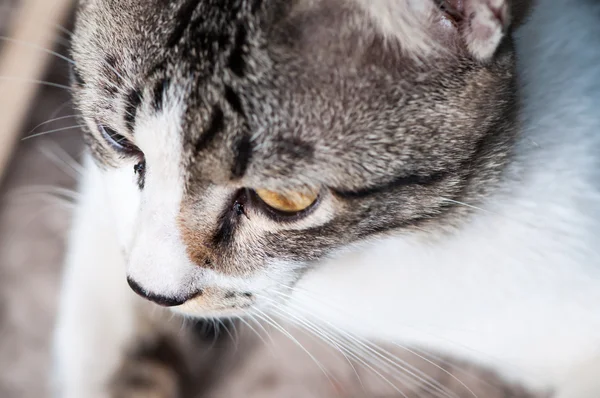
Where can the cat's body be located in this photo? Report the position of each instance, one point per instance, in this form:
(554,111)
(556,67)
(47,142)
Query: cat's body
(509,277)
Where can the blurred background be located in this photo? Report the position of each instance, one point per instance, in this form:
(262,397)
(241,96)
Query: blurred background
(37,176)
(40,150)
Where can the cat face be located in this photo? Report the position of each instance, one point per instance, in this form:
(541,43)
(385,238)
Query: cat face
(244,141)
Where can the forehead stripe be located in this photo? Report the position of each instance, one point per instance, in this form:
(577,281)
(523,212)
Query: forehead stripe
(236,61)
(256,5)
(242,157)
(217,124)
(234,101)
(395,183)
(132,103)
(182,21)
(158,92)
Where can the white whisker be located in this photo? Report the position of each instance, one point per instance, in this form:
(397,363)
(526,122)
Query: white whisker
(36,47)
(235,331)
(430,357)
(30,218)
(215,326)
(412,351)
(56,119)
(44,190)
(249,326)
(79,126)
(35,81)
(357,358)
(262,315)
(456,202)
(61,159)
(409,371)
(62,57)
(404,363)
(322,335)
(260,325)
(64,30)
(233,339)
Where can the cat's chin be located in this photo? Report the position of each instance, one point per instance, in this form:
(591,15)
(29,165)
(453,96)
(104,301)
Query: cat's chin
(201,308)
(208,313)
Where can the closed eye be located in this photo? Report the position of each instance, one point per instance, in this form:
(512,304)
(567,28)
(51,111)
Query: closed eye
(117,141)
(286,206)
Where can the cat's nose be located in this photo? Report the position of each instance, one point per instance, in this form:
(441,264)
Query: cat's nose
(163,301)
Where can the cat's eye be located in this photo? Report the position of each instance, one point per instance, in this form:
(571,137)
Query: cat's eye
(289,203)
(117,141)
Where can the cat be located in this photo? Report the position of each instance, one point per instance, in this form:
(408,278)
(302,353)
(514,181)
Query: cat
(413,171)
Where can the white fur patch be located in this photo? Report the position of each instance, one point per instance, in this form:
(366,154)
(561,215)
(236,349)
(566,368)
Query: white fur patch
(486,28)
(158,259)
(408,21)
(97,314)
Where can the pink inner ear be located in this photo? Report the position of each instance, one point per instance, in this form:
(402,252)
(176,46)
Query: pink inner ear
(487,24)
(481,23)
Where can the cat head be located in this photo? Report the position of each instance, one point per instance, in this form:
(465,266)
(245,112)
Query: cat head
(243,141)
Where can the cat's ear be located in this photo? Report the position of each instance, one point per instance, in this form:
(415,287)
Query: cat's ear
(477,26)
(482,24)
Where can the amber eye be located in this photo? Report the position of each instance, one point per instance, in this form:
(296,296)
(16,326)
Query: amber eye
(290,202)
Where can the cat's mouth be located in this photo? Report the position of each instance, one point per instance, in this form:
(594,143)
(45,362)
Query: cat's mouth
(212,301)
(201,310)
(217,301)
(163,301)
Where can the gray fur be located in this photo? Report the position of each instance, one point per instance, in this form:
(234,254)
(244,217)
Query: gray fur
(310,95)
